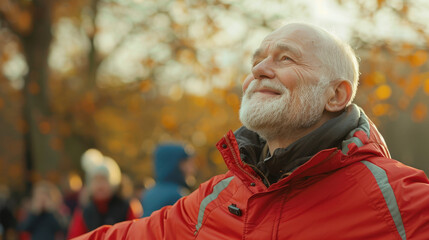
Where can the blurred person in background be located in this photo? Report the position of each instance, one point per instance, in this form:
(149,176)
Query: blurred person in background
(103,205)
(47,218)
(71,187)
(172,166)
(129,192)
(7,219)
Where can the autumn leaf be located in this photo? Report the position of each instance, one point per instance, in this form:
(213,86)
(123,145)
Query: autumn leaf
(426,86)
(418,58)
(381,109)
(45,127)
(383,92)
(420,112)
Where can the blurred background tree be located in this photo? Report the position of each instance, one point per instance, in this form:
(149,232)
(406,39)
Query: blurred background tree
(123,75)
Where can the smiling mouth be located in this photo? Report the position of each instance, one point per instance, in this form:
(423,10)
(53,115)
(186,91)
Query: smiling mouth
(268,91)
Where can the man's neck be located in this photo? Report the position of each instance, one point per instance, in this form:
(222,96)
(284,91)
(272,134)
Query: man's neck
(284,142)
(285,139)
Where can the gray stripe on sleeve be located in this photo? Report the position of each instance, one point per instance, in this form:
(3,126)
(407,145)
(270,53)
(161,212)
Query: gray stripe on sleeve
(389,196)
(219,187)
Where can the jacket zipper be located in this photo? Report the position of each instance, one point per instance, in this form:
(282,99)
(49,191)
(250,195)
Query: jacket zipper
(236,159)
(256,169)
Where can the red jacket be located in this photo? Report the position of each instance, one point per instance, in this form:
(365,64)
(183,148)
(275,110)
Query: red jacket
(357,192)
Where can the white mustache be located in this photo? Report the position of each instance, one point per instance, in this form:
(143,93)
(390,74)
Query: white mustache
(265,83)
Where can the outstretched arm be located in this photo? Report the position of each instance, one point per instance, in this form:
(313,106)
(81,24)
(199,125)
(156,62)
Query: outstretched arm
(166,223)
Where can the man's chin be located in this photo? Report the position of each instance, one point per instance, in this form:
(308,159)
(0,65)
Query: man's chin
(259,127)
(264,132)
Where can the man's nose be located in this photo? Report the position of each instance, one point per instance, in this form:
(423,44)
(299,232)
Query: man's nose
(263,70)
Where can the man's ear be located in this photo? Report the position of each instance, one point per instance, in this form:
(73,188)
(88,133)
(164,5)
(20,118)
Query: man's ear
(339,95)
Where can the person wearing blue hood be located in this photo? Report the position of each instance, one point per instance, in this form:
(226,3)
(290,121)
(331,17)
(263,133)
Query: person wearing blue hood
(172,165)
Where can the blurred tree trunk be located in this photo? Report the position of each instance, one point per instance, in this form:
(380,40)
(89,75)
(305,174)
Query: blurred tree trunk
(93,59)
(39,154)
(90,92)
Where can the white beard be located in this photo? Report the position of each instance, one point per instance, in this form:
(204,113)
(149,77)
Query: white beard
(275,117)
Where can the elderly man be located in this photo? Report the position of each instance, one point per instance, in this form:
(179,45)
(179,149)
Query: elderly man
(307,164)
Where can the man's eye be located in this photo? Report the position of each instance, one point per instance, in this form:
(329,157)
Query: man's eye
(286,58)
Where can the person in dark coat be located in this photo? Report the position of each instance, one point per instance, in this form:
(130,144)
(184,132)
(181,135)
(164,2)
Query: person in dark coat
(46,220)
(172,165)
(7,219)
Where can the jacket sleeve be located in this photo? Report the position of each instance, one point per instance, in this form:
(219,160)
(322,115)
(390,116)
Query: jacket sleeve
(166,223)
(409,207)
(412,193)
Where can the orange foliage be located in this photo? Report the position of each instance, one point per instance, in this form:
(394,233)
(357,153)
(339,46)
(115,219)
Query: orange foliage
(53,176)
(199,101)
(87,103)
(45,127)
(21,126)
(65,130)
(426,86)
(33,88)
(114,145)
(145,86)
(413,85)
(19,16)
(383,92)
(380,109)
(418,58)
(380,3)
(234,101)
(168,121)
(420,112)
(14,170)
(186,56)
(403,102)
(374,78)
(57,144)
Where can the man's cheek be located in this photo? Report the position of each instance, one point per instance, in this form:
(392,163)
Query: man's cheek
(247,82)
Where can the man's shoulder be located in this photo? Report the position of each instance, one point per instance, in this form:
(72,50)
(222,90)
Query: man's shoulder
(386,171)
(392,167)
